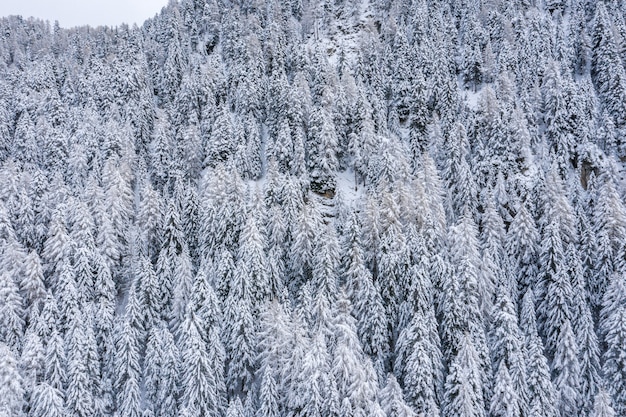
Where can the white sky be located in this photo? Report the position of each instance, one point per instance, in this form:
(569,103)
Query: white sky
(71,13)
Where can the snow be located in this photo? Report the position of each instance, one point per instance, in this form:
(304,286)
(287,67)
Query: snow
(472,98)
(346,186)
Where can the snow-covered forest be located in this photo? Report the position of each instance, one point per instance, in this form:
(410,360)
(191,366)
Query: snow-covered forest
(316,208)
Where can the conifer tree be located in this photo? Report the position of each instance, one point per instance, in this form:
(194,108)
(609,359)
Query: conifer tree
(608,74)
(463,387)
(268,396)
(614,328)
(508,357)
(322,145)
(32,283)
(505,401)
(541,395)
(566,371)
(419,351)
(239,335)
(352,370)
(602,405)
(47,401)
(252,261)
(79,391)
(10,383)
(197,379)
(160,372)
(128,346)
(458,175)
(522,246)
(368,307)
(391,399)
(11,311)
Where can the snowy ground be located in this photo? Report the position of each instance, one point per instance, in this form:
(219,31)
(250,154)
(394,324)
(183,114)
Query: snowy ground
(347,188)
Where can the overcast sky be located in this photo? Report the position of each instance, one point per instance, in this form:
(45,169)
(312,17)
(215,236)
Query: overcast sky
(84,12)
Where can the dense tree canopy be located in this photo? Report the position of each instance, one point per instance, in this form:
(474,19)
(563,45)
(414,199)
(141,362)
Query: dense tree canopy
(316,208)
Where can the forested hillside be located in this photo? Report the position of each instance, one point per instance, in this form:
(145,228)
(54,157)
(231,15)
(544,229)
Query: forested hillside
(316,208)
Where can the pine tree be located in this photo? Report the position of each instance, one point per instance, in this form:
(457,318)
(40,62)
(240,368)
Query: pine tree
(392,262)
(602,405)
(268,396)
(586,337)
(554,288)
(55,361)
(11,311)
(32,283)
(391,400)
(419,351)
(522,246)
(252,261)
(235,408)
(56,248)
(609,223)
(239,334)
(508,358)
(352,370)
(566,371)
(606,67)
(458,175)
(197,379)
(182,278)
(128,349)
(505,402)
(614,328)
(463,387)
(47,401)
(460,303)
(367,303)
(322,145)
(160,373)
(31,360)
(221,143)
(541,394)
(79,391)
(10,383)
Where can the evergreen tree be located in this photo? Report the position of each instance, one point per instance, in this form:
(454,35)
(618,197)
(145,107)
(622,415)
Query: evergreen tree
(458,175)
(160,372)
(459,309)
(602,405)
(367,303)
(463,388)
(239,334)
(418,348)
(11,383)
(352,370)
(508,358)
(606,65)
(197,379)
(32,283)
(47,401)
(268,396)
(614,328)
(252,263)
(79,391)
(541,394)
(128,360)
(11,311)
(322,146)
(522,246)
(391,399)
(505,401)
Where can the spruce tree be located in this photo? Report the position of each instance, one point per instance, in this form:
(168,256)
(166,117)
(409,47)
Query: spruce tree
(541,394)
(463,387)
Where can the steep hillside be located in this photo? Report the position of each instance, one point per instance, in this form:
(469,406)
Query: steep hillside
(309,208)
